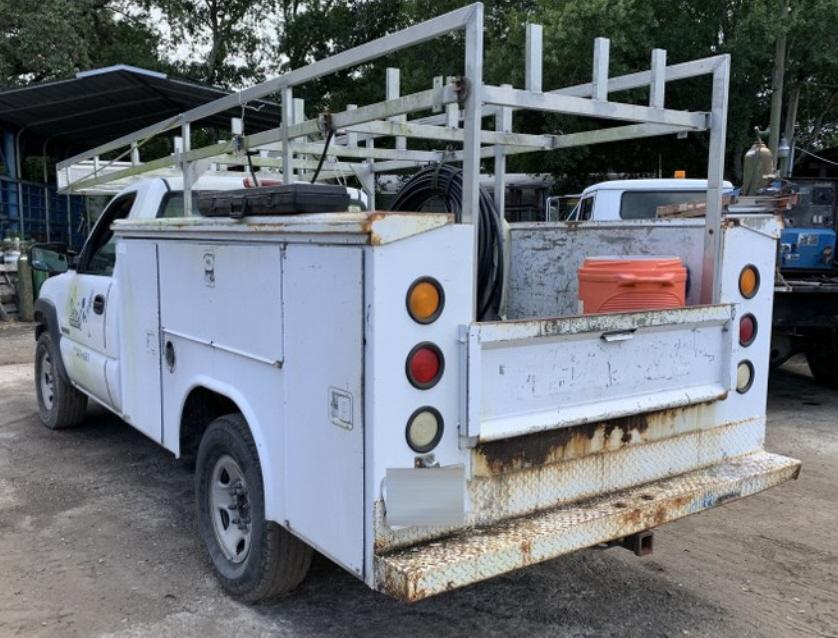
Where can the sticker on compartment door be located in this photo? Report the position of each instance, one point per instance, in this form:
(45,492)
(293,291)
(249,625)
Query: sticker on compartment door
(425,497)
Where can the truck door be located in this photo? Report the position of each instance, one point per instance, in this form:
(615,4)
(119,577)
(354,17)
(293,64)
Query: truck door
(89,347)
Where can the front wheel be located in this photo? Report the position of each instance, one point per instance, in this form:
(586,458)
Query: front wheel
(254,559)
(60,405)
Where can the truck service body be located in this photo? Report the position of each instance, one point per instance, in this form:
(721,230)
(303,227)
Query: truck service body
(421,452)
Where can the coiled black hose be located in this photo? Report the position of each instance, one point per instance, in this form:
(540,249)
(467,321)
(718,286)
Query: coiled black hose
(445,182)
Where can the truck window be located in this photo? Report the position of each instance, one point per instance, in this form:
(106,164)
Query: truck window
(644,204)
(98,256)
(586,207)
(172,204)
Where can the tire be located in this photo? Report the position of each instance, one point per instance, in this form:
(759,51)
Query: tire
(60,405)
(254,559)
(824,366)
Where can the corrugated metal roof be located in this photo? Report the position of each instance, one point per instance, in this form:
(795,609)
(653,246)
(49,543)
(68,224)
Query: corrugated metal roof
(102,104)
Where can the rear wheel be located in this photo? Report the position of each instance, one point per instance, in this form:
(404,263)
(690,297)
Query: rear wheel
(823,363)
(60,405)
(254,559)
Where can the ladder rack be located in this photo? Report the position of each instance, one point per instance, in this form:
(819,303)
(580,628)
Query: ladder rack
(458,104)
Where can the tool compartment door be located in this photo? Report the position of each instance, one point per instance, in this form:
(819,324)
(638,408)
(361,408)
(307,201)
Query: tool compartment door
(527,376)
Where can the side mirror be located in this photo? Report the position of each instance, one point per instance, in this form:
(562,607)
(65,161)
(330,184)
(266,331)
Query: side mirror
(48,258)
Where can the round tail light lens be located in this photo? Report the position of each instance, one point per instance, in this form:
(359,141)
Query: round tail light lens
(748,281)
(424,366)
(425,300)
(747,330)
(424,430)
(744,376)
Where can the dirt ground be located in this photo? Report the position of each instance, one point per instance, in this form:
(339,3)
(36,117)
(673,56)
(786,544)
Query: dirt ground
(97,539)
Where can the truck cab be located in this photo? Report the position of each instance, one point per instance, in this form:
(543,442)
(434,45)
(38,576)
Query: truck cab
(627,199)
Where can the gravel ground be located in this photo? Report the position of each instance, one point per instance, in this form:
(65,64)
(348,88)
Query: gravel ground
(97,539)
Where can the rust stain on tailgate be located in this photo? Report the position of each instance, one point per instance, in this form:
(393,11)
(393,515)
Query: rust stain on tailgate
(552,446)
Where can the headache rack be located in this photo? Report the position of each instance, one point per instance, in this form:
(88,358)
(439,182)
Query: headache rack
(458,105)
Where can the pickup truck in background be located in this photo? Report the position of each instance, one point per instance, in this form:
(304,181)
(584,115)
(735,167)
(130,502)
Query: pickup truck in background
(625,199)
(337,378)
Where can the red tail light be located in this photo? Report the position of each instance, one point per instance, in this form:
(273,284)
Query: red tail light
(424,365)
(747,330)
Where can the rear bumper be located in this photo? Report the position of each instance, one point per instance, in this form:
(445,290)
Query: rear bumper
(420,571)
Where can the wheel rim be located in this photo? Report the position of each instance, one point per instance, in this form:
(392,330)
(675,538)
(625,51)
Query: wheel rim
(230,509)
(46,379)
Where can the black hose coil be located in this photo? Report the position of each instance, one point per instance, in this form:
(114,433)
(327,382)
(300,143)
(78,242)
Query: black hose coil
(445,182)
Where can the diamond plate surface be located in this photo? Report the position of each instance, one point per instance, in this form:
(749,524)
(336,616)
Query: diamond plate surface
(504,494)
(424,570)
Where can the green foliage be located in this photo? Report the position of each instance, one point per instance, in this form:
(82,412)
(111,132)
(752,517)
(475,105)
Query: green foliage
(227,29)
(235,42)
(51,39)
(813,66)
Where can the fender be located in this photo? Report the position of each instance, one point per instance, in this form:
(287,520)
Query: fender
(232,393)
(47,319)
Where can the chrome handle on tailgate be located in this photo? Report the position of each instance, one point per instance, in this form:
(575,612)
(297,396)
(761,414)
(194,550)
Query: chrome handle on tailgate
(617,335)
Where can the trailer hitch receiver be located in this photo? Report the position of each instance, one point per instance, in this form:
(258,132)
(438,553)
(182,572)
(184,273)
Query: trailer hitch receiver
(641,543)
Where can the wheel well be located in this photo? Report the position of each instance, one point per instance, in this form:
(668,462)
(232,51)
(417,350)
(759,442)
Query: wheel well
(40,324)
(201,408)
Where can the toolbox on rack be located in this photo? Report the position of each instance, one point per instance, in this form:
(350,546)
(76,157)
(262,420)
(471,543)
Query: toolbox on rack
(274,200)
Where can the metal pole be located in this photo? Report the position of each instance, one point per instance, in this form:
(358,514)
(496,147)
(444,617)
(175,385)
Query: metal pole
(600,74)
(18,177)
(287,119)
(503,123)
(186,169)
(534,58)
(46,189)
(787,163)
(70,221)
(471,128)
(300,116)
(657,85)
(777,83)
(370,186)
(392,92)
(710,276)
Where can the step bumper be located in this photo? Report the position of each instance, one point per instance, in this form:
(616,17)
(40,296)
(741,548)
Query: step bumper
(425,570)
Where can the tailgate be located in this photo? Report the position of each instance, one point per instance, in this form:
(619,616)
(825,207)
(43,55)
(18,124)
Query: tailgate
(526,376)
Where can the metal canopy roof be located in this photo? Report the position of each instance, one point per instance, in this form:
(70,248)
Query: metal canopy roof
(99,105)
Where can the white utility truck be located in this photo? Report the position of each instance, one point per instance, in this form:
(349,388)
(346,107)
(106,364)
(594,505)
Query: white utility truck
(351,381)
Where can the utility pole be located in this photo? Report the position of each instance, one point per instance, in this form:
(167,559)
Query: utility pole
(787,163)
(777,82)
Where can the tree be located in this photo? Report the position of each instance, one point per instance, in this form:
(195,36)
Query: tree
(53,39)
(812,73)
(225,36)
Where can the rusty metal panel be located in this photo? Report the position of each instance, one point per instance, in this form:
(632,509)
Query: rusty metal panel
(421,571)
(544,258)
(523,475)
(526,376)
